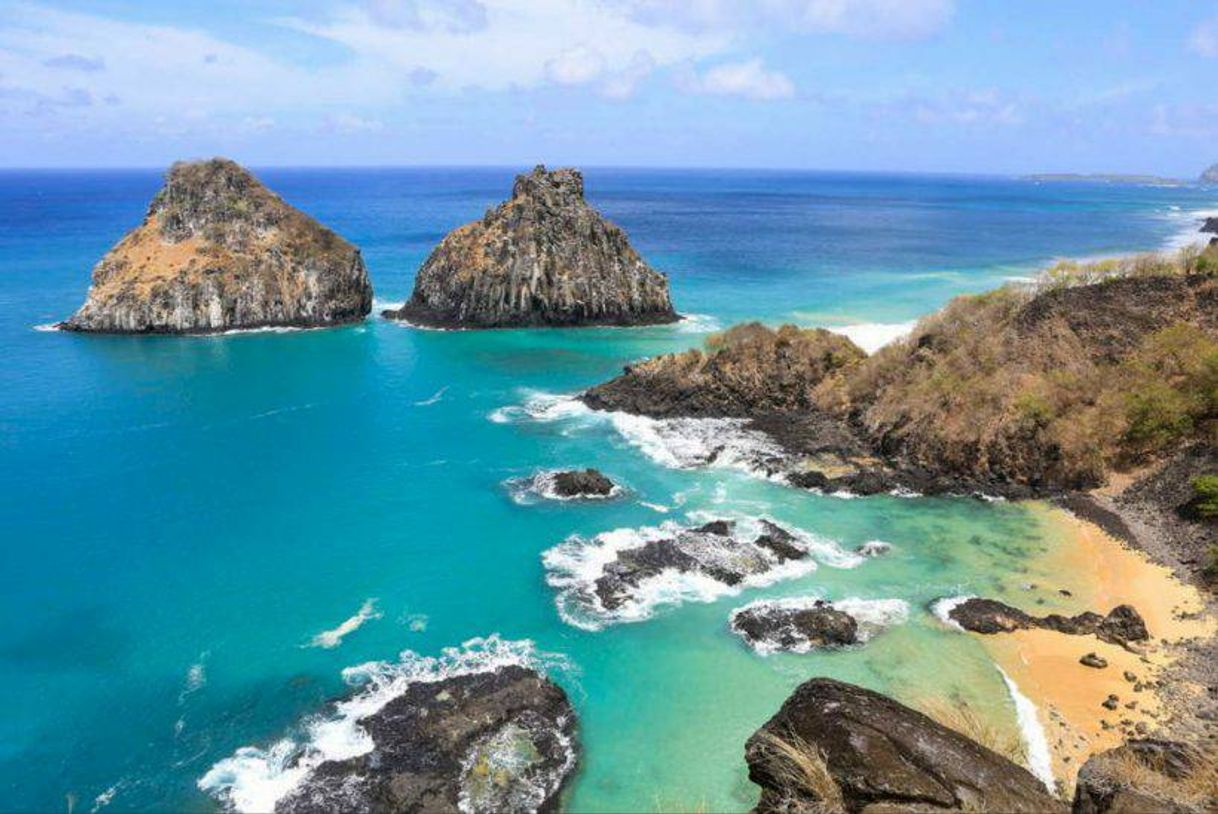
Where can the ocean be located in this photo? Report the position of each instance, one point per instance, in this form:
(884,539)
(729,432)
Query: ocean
(208,540)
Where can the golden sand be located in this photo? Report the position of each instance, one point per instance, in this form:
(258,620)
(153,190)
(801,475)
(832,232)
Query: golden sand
(1101,573)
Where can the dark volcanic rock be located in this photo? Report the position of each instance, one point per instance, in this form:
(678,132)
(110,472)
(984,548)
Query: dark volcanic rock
(498,741)
(1210,226)
(879,755)
(709,549)
(544,257)
(582,483)
(793,626)
(218,251)
(1093,660)
(1123,625)
(1107,784)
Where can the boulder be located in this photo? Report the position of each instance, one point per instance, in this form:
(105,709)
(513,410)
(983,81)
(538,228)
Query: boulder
(836,746)
(500,741)
(218,251)
(542,258)
(582,483)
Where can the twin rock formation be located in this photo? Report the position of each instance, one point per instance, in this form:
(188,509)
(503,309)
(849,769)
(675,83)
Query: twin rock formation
(218,251)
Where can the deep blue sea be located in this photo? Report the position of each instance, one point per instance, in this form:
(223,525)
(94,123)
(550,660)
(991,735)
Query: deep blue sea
(201,534)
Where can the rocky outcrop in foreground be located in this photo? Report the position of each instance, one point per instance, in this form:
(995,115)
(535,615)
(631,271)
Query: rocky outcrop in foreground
(219,251)
(499,741)
(1147,777)
(1122,626)
(544,257)
(837,747)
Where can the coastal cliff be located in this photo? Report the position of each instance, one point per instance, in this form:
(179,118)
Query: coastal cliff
(1022,391)
(543,257)
(219,251)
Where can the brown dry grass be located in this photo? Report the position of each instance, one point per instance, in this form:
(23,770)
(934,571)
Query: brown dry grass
(798,765)
(960,716)
(1198,789)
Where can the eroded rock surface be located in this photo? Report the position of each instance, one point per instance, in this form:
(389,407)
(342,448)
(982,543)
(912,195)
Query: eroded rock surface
(869,753)
(543,257)
(800,627)
(219,251)
(1142,777)
(500,741)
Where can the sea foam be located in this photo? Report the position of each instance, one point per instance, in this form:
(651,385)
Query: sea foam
(942,608)
(254,779)
(333,638)
(1040,760)
(542,484)
(872,615)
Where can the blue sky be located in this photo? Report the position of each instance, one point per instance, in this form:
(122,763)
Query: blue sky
(920,85)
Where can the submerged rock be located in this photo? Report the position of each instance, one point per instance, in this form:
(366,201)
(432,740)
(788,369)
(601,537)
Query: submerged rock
(835,746)
(219,251)
(500,741)
(794,626)
(544,257)
(582,483)
(1141,777)
(874,548)
(1123,625)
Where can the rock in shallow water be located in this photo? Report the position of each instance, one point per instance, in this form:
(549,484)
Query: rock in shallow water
(500,741)
(801,627)
(837,745)
(1123,625)
(218,251)
(544,257)
(582,483)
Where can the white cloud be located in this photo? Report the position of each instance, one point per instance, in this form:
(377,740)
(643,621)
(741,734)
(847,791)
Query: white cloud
(1204,39)
(623,84)
(523,44)
(750,79)
(347,124)
(867,19)
(862,19)
(576,66)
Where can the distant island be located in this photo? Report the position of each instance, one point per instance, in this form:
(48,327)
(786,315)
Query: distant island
(1109,178)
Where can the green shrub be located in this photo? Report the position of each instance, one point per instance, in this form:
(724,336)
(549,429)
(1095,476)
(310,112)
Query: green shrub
(1210,569)
(1158,414)
(1205,495)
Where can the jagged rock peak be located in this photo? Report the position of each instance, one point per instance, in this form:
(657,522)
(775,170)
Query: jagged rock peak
(544,257)
(562,186)
(219,251)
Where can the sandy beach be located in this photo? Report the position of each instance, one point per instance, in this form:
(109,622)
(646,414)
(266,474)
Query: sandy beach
(1100,572)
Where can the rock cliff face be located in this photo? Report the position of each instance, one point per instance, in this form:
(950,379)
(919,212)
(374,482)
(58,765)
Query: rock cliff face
(1210,176)
(837,747)
(218,251)
(544,257)
(500,741)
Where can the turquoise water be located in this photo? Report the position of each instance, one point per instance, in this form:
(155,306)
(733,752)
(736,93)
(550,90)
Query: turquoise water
(183,516)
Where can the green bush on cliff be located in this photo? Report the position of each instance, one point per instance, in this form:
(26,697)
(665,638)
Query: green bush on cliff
(1205,495)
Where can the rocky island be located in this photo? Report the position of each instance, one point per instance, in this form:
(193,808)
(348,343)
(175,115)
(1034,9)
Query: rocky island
(542,258)
(218,251)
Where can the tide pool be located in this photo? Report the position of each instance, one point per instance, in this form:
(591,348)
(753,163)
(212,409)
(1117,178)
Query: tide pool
(201,534)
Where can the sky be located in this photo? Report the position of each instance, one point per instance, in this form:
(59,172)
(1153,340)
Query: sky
(971,86)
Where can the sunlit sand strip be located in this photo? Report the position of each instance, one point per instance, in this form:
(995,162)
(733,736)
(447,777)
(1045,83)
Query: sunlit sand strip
(1101,572)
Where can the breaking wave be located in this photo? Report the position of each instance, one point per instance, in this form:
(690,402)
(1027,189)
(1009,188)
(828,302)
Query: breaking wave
(942,608)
